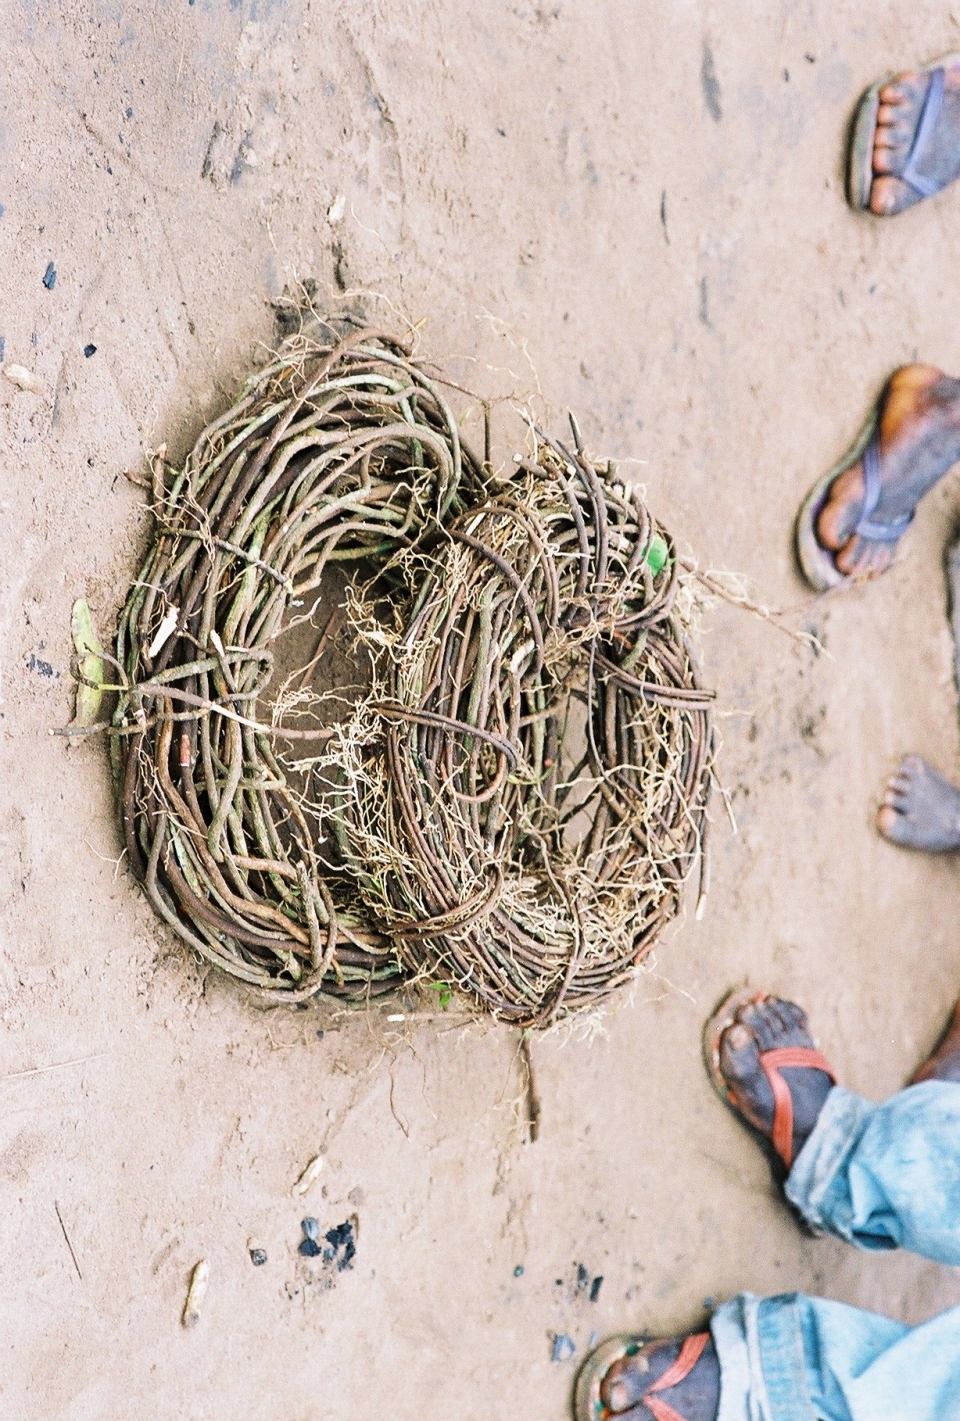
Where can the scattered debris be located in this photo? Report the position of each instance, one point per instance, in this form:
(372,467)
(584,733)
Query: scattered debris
(343,1247)
(42,668)
(329,1255)
(258,1254)
(50,276)
(196,1293)
(341,1242)
(89,350)
(336,209)
(583,1277)
(55,1066)
(89,665)
(309,1176)
(563,1348)
(533,1095)
(24,379)
(518,1271)
(595,1287)
(66,1237)
(310,1243)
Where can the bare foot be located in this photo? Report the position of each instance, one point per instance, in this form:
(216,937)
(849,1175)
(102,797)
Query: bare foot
(767,1025)
(937,160)
(696,1397)
(921,809)
(944,1063)
(919,440)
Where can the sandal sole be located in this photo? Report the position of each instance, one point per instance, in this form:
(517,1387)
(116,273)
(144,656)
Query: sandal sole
(723,1018)
(587,1405)
(816,561)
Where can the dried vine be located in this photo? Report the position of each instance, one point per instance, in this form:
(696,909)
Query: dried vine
(512,805)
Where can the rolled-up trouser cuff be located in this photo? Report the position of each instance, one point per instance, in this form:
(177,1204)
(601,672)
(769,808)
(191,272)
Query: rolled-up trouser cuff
(763,1371)
(743,1394)
(832,1141)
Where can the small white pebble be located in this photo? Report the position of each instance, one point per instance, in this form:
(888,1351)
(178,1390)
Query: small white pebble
(336,209)
(24,379)
(196,1293)
(396,1016)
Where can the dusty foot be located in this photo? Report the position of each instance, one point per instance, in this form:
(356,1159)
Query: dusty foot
(897,119)
(696,1398)
(921,809)
(764,1026)
(944,1063)
(919,441)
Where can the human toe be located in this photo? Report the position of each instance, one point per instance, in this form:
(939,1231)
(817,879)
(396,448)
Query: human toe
(893,825)
(779,1016)
(624,1383)
(889,115)
(738,1053)
(763,1021)
(796,1016)
(888,195)
(896,92)
(896,794)
(863,559)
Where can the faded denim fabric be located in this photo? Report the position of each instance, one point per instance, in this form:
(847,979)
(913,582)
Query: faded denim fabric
(879,1176)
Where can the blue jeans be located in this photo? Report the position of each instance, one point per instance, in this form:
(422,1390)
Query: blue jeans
(879,1176)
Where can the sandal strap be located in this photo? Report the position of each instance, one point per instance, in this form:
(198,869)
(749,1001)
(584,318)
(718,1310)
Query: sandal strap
(775,1061)
(866,528)
(689,1355)
(661,1410)
(929,113)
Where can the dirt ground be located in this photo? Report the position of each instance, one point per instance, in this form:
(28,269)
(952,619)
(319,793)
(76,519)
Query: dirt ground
(633,211)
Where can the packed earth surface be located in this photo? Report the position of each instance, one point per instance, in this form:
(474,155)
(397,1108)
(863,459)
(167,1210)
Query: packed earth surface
(635,212)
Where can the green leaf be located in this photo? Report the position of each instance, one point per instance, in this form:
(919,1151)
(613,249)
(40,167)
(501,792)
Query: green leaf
(90,665)
(444,993)
(657,554)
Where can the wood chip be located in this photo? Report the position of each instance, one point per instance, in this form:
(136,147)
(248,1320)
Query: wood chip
(309,1176)
(196,1293)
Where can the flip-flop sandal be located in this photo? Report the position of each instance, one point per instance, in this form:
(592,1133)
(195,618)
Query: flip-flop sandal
(781,1138)
(860,174)
(817,562)
(587,1403)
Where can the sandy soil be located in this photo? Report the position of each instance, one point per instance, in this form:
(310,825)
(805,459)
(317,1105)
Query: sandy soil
(633,211)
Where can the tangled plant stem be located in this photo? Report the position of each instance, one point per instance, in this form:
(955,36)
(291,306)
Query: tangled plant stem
(344,453)
(512,806)
(525,820)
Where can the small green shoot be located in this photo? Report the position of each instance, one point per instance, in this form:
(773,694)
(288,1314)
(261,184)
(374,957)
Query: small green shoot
(444,993)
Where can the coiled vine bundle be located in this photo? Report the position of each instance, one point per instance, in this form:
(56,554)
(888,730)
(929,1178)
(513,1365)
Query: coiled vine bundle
(511,803)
